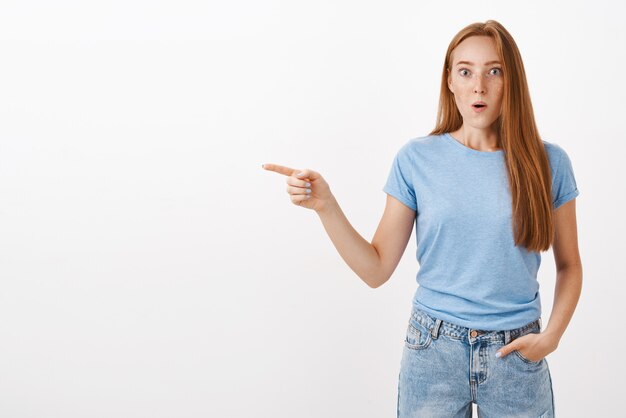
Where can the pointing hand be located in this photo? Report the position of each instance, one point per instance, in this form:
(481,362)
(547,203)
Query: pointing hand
(308,189)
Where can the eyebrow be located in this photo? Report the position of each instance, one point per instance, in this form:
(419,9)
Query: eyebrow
(471,63)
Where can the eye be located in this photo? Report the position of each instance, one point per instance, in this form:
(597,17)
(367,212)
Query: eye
(499,70)
(463,69)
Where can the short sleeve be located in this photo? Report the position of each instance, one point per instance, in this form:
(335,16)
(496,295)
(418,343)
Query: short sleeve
(564,186)
(399,181)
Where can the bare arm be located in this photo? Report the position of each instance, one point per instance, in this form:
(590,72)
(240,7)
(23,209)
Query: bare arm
(373,262)
(569,276)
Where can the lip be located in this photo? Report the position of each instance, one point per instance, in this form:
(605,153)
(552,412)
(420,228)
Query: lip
(479,109)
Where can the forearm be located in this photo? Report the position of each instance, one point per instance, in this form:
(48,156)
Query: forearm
(356,251)
(566,294)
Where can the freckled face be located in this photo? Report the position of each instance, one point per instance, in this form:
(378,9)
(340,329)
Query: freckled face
(476,75)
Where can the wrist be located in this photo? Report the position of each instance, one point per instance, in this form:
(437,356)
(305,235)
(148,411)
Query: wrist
(553,337)
(329,206)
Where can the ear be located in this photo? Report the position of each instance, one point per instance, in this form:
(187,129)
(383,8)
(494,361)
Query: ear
(449,79)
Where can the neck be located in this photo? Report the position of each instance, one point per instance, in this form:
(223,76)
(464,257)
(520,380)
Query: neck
(477,138)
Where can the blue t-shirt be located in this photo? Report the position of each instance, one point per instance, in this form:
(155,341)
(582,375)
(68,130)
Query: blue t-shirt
(471,272)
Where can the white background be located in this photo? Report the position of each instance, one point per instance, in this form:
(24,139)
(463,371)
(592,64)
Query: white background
(149,267)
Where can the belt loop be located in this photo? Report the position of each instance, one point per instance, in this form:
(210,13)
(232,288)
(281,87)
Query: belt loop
(539,323)
(435,331)
(507,336)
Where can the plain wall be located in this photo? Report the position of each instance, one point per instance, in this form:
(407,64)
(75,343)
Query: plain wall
(149,267)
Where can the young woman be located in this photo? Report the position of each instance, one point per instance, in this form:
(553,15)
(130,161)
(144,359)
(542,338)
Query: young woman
(487,195)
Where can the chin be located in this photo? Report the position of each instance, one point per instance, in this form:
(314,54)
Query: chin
(483,125)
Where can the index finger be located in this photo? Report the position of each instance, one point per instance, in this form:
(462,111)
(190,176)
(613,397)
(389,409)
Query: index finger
(280,169)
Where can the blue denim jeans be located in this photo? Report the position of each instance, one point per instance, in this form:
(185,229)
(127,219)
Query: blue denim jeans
(446,367)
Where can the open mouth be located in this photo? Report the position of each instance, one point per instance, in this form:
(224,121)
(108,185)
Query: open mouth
(479,107)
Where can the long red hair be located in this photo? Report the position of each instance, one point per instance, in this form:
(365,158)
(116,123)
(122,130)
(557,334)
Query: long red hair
(526,159)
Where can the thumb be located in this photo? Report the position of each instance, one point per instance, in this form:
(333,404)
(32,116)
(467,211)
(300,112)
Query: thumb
(307,174)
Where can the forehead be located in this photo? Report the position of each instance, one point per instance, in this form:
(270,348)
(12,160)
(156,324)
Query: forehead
(478,50)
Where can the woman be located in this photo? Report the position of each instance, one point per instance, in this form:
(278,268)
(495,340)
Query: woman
(487,195)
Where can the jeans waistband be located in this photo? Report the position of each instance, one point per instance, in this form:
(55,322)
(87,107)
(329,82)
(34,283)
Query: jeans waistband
(438,326)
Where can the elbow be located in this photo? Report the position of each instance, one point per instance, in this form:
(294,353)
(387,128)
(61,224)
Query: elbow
(373,285)
(574,269)
(377,282)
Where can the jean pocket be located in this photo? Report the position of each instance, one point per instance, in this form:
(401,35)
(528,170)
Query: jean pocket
(525,360)
(534,330)
(417,336)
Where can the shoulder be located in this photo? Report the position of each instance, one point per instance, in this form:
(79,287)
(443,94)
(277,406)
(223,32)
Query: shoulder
(419,145)
(556,154)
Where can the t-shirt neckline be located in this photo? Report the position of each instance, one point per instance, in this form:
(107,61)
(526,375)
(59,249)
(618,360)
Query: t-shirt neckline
(450,139)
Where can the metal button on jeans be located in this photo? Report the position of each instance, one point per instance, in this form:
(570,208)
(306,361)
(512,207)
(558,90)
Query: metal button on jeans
(448,375)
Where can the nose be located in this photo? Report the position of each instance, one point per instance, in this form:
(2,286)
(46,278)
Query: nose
(479,87)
